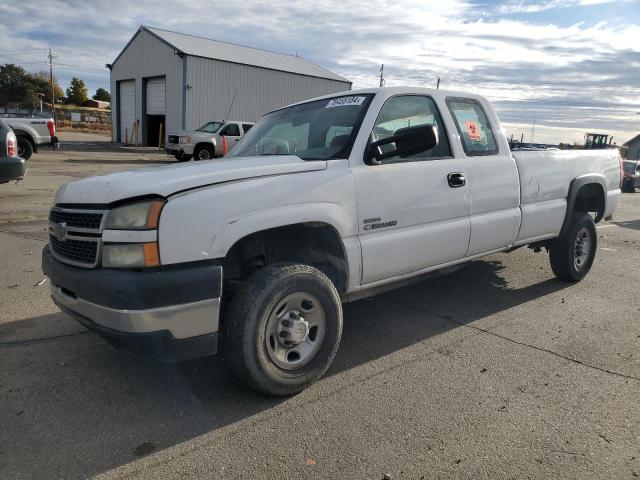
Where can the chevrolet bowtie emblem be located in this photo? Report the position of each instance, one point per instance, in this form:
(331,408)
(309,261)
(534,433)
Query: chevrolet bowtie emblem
(59,230)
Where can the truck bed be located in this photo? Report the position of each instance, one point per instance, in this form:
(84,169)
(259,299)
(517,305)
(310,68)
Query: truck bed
(545,179)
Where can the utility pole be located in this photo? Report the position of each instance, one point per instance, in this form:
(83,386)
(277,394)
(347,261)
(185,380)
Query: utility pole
(438,84)
(382,82)
(53,90)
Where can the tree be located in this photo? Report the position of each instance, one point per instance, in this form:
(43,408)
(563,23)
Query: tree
(14,84)
(77,92)
(43,83)
(102,95)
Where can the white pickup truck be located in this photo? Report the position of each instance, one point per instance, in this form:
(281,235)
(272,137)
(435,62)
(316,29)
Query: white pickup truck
(32,131)
(322,202)
(207,141)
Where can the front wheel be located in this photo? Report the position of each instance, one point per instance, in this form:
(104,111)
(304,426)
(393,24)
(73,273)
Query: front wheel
(283,328)
(203,152)
(572,254)
(183,158)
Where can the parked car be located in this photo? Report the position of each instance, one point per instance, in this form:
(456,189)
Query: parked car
(631,172)
(205,142)
(322,202)
(32,130)
(12,167)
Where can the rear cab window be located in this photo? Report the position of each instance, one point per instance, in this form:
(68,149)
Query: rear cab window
(473,126)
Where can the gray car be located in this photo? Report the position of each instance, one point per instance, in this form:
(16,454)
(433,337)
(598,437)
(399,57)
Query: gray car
(631,179)
(12,167)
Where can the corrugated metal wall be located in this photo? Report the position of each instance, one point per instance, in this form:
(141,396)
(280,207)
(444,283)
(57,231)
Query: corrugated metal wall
(213,84)
(148,57)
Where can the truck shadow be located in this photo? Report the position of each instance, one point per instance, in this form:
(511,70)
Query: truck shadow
(632,224)
(88,408)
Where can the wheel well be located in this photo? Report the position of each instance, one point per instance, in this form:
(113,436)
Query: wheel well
(313,243)
(26,136)
(203,144)
(590,198)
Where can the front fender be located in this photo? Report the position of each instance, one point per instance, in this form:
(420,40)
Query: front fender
(239,227)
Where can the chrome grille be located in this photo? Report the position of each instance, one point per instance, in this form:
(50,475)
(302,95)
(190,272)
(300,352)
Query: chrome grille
(74,218)
(78,251)
(75,235)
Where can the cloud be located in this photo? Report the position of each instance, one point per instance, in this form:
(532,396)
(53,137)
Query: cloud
(546,71)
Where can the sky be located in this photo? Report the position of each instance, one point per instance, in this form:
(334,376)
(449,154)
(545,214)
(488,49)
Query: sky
(554,69)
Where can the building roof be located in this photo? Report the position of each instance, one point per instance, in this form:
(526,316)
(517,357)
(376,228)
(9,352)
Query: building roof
(633,140)
(230,52)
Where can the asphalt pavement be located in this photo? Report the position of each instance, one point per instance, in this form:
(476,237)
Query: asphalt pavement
(495,371)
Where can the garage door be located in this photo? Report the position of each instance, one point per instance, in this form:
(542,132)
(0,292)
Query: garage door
(127,105)
(155,96)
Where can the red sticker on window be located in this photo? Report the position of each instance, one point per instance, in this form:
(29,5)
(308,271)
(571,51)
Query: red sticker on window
(473,130)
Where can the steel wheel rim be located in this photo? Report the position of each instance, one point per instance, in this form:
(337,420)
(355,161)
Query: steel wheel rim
(203,155)
(581,249)
(295,330)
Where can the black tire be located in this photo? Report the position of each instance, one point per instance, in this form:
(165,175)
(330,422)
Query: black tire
(183,158)
(629,186)
(248,317)
(563,254)
(204,152)
(25,149)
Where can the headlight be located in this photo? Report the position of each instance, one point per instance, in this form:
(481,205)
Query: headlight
(143,215)
(184,140)
(130,255)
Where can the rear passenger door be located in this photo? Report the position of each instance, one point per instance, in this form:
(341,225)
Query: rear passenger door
(492,176)
(413,212)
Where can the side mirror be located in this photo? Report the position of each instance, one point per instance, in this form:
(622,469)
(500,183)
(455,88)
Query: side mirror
(408,141)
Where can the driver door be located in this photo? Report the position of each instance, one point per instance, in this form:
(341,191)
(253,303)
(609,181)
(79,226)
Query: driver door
(411,215)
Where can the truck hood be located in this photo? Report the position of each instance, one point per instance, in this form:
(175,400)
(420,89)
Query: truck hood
(170,179)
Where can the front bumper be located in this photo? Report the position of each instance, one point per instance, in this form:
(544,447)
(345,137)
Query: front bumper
(179,149)
(170,313)
(12,168)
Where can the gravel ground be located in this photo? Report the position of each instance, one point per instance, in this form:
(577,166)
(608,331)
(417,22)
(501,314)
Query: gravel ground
(495,371)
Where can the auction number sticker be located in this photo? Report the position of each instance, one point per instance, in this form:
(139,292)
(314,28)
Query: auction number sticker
(345,102)
(473,130)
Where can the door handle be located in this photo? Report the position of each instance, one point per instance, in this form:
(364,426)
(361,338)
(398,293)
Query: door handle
(456,179)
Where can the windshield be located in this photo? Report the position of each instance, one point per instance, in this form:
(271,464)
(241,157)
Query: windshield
(318,130)
(210,127)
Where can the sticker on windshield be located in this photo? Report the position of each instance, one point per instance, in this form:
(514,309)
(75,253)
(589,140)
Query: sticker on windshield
(473,131)
(345,102)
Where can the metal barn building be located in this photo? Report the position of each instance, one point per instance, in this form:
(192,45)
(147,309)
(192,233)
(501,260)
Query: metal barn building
(167,81)
(633,147)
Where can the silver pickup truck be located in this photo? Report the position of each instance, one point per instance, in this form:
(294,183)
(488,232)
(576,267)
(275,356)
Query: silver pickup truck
(205,142)
(32,131)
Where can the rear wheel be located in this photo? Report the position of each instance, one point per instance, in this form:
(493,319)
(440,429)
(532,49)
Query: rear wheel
(204,152)
(283,328)
(25,149)
(572,254)
(629,186)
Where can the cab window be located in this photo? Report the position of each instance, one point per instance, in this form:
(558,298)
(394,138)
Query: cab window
(231,129)
(473,126)
(409,111)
